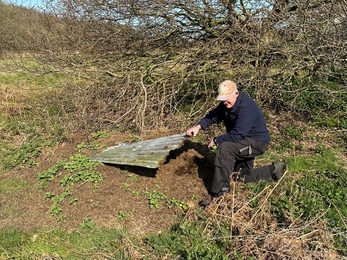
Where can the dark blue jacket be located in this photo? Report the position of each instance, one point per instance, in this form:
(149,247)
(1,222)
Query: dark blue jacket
(244,119)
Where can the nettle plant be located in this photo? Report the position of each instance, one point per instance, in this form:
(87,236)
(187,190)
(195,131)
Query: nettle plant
(78,170)
(155,196)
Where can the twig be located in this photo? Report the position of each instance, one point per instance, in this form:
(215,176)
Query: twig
(110,73)
(267,197)
(144,105)
(232,210)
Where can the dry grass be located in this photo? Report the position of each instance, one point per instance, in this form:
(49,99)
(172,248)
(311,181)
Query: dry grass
(256,233)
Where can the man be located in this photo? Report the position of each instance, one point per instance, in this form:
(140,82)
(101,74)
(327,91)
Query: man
(246,137)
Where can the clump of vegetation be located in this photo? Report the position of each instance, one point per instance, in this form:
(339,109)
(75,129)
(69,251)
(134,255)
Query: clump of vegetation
(79,170)
(189,240)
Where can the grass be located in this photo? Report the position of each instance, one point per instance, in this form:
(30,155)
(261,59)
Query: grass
(87,242)
(8,190)
(11,186)
(27,122)
(189,241)
(28,72)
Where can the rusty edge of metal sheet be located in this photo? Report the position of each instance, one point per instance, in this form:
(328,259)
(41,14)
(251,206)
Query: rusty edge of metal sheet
(149,153)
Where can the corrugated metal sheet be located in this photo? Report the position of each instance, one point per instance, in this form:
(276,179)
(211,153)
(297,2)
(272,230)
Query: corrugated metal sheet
(149,153)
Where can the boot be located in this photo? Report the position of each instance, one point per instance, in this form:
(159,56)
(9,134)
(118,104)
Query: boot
(206,202)
(280,167)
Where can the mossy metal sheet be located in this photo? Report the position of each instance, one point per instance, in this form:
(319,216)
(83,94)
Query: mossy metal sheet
(149,153)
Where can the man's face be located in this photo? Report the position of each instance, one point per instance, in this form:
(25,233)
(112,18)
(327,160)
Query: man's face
(229,103)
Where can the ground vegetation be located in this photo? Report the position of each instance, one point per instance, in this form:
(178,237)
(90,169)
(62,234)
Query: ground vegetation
(78,76)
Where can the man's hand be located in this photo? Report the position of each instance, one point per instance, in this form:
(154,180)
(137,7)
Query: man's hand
(194,130)
(211,144)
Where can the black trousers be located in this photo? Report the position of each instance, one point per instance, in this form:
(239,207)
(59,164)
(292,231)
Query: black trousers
(236,160)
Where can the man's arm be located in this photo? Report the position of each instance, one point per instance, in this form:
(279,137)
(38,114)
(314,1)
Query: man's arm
(244,122)
(211,118)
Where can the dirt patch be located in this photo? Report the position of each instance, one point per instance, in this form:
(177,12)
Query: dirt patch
(185,176)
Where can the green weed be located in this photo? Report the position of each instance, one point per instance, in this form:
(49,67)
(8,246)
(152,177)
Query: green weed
(80,147)
(48,195)
(55,210)
(132,177)
(154,197)
(99,134)
(293,132)
(122,215)
(195,197)
(74,201)
(96,203)
(135,193)
(214,149)
(92,146)
(48,175)
(125,186)
(78,170)
(177,203)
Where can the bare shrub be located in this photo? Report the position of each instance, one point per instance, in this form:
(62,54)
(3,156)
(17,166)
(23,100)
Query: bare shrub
(171,55)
